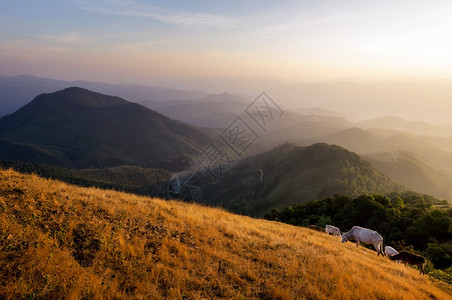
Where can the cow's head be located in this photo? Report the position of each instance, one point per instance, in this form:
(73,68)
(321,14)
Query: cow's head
(395,257)
(344,238)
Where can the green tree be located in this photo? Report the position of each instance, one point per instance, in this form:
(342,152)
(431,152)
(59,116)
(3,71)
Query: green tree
(392,214)
(383,200)
(417,236)
(437,223)
(439,255)
(397,202)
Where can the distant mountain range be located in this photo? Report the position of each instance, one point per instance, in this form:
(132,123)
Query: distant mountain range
(17,91)
(78,128)
(213,110)
(219,110)
(421,163)
(413,172)
(291,174)
(414,127)
(435,151)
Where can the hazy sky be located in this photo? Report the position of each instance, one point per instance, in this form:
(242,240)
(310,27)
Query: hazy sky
(141,41)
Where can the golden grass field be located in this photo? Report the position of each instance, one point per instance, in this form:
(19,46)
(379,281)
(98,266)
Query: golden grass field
(59,241)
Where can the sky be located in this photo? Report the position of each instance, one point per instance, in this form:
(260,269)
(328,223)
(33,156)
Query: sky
(138,41)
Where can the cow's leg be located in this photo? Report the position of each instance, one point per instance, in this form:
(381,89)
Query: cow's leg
(377,247)
(357,242)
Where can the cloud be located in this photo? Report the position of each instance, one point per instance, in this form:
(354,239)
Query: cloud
(69,38)
(21,47)
(301,22)
(133,8)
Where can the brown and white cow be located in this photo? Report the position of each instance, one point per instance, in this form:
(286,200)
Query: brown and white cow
(410,258)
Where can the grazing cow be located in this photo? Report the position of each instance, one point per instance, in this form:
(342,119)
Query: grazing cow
(330,229)
(315,227)
(367,236)
(410,258)
(391,252)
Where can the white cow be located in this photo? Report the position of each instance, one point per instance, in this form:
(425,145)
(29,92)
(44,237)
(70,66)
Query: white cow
(391,252)
(367,236)
(330,229)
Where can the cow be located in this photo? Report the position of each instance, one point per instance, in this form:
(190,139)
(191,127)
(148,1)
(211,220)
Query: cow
(410,258)
(330,229)
(389,251)
(367,236)
(315,227)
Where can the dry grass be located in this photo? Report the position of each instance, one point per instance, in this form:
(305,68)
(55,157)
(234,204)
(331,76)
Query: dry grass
(61,241)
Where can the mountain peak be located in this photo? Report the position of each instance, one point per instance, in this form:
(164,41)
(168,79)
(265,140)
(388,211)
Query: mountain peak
(78,128)
(291,174)
(80,96)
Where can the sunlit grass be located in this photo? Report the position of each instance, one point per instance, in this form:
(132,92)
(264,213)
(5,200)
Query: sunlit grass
(62,241)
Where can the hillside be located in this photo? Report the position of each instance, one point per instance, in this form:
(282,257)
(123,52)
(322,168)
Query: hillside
(61,241)
(77,128)
(136,180)
(406,221)
(293,174)
(408,169)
